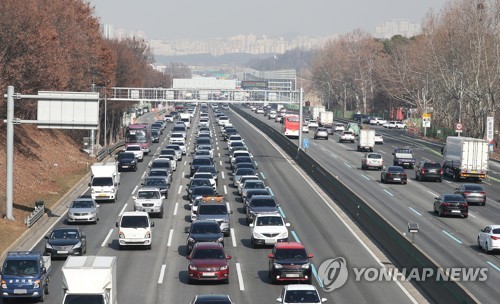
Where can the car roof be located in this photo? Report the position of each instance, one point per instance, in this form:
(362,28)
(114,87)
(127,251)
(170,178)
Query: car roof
(208,245)
(288,245)
(300,287)
(135,213)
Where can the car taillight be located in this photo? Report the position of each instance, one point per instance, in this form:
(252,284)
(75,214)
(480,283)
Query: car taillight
(445,204)
(494,237)
(423,171)
(482,192)
(466,193)
(441,171)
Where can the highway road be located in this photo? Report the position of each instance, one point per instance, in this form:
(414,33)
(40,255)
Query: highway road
(160,275)
(450,241)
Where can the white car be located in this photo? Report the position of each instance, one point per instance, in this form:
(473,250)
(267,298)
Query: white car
(305,128)
(134,229)
(339,127)
(176,138)
(223,120)
(173,160)
(489,238)
(379,139)
(272,114)
(377,121)
(300,293)
(268,229)
(208,176)
(347,136)
(313,124)
(396,125)
(372,160)
(260,111)
(137,150)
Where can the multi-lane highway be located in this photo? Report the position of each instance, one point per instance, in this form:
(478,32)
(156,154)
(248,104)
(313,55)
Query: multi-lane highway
(160,275)
(450,241)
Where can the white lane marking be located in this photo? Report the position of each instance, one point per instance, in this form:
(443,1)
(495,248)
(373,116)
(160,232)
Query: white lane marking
(180,189)
(366,177)
(447,182)
(233,237)
(182,174)
(418,213)
(220,162)
(144,175)
(123,209)
(381,151)
(388,192)
(222,173)
(217,148)
(334,156)
(107,238)
(323,149)
(162,273)
(472,215)
(185,162)
(218,154)
(169,242)
(225,190)
(175,208)
(240,277)
(262,175)
(432,193)
(486,183)
(347,165)
(135,189)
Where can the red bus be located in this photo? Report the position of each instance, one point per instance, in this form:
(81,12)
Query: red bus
(291,125)
(138,134)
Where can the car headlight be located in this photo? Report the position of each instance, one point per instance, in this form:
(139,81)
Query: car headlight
(284,234)
(36,284)
(306,266)
(4,285)
(223,267)
(70,213)
(190,240)
(220,240)
(77,245)
(252,212)
(225,221)
(277,266)
(192,267)
(48,246)
(147,235)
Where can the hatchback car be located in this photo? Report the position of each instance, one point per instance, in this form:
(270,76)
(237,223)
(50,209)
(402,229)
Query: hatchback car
(321,133)
(347,136)
(137,150)
(208,262)
(290,262)
(489,238)
(394,174)
(339,127)
(203,231)
(472,193)
(372,160)
(451,204)
(428,170)
(300,293)
(63,242)
(83,210)
(379,139)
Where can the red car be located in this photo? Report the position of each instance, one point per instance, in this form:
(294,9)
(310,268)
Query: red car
(290,262)
(208,262)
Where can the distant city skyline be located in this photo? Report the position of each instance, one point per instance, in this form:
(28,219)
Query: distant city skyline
(200,19)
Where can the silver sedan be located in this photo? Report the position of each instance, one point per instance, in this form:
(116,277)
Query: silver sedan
(83,210)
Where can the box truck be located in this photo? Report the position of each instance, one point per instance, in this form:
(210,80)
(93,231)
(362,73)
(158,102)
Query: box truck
(104,181)
(325,119)
(315,111)
(466,157)
(89,279)
(366,140)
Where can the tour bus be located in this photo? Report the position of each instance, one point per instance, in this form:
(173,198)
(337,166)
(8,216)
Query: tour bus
(138,134)
(291,126)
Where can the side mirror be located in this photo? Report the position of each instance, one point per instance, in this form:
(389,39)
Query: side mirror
(251,225)
(46,236)
(228,257)
(152,224)
(271,256)
(44,270)
(97,206)
(90,185)
(287,225)
(310,256)
(117,225)
(278,205)
(188,257)
(83,236)
(436,198)
(134,197)
(279,300)
(230,211)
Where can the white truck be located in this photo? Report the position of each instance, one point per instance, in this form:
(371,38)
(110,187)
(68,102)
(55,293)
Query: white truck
(366,140)
(104,181)
(326,119)
(89,279)
(315,111)
(466,157)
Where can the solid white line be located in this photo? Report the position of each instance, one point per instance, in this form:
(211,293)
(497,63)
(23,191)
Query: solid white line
(107,238)
(225,189)
(175,208)
(233,237)
(387,191)
(334,156)
(240,277)
(432,193)
(123,209)
(169,242)
(381,151)
(162,273)
(347,165)
(222,173)
(472,215)
(180,189)
(323,149)
(135,189)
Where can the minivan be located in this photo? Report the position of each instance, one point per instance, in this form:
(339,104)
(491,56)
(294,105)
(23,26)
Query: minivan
(135,229)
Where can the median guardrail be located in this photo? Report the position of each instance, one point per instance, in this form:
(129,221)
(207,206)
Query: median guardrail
(402,252)
(36,214)
(104,152)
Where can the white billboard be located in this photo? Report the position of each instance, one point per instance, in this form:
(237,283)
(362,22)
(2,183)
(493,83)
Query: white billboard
(68,110)
(204,83)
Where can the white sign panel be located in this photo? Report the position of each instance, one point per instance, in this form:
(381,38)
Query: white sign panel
(68,110)
(489,128)
(204,83)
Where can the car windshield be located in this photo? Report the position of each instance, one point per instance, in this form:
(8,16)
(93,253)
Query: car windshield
(202,161)
(20,267)
(155,182)
(205,191)
(251,193)
(160,164)
(203,175)
(133,148)
(245,171)
(208,254)
(237,144)
(348,133)
(177,135)
(167,152)
(154,132)
(453,198)
(158,173)
(102,181)
(213,209)
(395,169)
(207,169)
(202,153)
(473,187)
(148,195)
(134,222)
(291,254)
(255,186)
(263,202)
(200,182)
(403,151)
(269,221)
(205,228)
(432,166)
(203,141)
(82,204)
(301,296)
(496,231)
(126,156)
(178,129)
(375,156)
(64,234)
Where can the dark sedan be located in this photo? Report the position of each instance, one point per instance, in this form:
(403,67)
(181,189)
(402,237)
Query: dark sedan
(451,204)
(63,242)
(393,174)
(197,162)
(159,182)
(126,161)
(212,299)
(203,231)
(197,182)
(472,193)
(202,191)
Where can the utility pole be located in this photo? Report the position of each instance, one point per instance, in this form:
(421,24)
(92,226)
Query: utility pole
(301,103)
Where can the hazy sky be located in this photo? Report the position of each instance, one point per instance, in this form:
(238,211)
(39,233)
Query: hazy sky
(220,18)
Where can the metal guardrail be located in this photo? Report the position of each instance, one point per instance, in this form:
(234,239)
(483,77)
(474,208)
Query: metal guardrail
(101,154)
(36,214)
(400,249)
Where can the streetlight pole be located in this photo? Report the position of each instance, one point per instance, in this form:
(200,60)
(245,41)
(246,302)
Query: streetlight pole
(301,102)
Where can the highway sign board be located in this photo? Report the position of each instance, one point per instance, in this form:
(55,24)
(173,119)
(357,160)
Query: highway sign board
(305,143)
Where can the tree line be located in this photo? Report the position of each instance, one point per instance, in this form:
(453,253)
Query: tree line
(451,69)
(57,46)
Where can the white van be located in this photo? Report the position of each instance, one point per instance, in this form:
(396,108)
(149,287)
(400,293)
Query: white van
(135,229)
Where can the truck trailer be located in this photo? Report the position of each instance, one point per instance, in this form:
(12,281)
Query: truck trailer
(89,280)
(466,157)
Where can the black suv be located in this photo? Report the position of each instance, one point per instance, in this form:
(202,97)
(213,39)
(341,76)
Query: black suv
(126,161)
(203,231)
(290,262)
(428,170)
